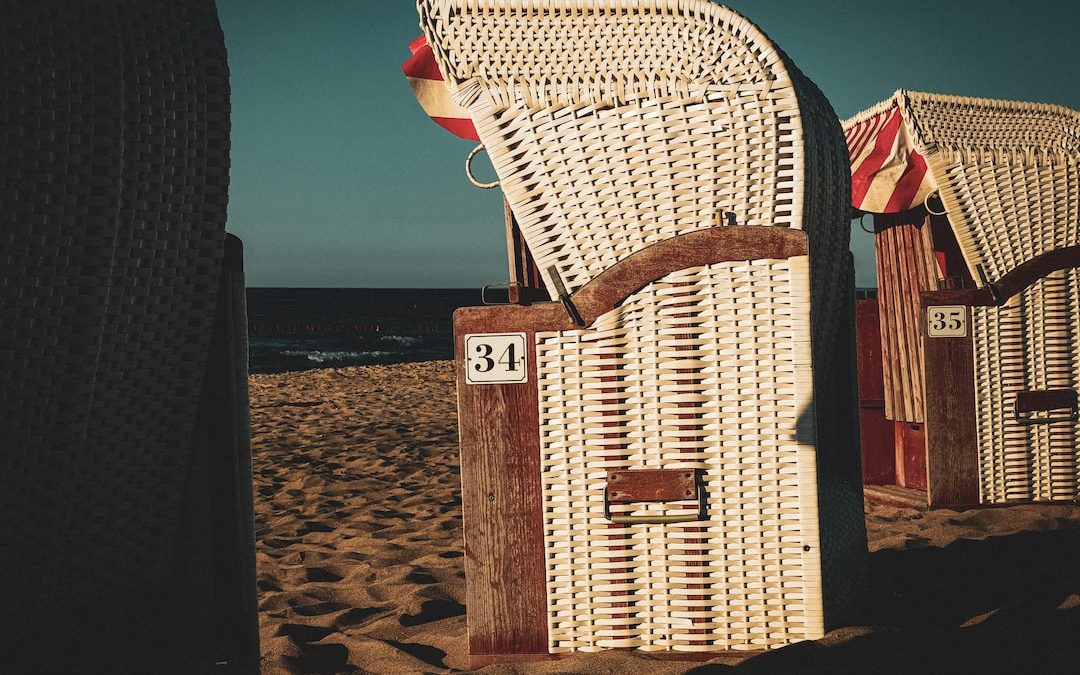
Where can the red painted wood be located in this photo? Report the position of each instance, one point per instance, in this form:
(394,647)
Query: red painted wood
(875,431)
(910,455)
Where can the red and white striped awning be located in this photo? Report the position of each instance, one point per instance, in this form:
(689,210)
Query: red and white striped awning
(888,175)
(431,91)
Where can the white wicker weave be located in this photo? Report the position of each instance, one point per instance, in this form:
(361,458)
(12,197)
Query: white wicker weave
(613,125)
(1008,174)
(674,379)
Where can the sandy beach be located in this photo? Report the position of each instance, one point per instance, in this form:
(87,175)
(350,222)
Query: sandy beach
(360,553)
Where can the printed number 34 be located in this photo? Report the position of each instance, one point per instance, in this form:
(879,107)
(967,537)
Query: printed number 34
(508,358)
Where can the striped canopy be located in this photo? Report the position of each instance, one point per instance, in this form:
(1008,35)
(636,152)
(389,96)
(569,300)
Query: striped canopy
(888,175)
(432,93)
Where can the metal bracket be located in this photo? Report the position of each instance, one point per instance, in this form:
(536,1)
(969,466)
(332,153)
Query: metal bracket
(994,292)
(497,284)
(564,297)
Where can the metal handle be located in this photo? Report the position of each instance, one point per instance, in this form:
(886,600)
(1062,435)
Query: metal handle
(660,519)
(483,291)
(1028,402)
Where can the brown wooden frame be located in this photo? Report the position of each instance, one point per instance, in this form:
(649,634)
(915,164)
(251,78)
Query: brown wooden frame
(501,493)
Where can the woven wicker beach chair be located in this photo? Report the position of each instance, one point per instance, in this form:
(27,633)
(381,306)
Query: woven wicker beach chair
(674,467)
(988,357)
(126,510)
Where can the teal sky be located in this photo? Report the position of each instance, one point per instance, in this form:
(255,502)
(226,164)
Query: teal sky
(339,179)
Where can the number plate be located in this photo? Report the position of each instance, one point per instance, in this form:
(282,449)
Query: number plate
(495,358)
(947,321)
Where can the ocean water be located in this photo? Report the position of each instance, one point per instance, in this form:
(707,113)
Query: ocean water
(305,328)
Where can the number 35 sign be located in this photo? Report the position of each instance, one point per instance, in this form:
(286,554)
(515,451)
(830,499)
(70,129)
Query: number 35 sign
(947,321)
(495,358)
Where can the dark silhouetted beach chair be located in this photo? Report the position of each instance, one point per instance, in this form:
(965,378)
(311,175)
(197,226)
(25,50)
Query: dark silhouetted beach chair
(125,513)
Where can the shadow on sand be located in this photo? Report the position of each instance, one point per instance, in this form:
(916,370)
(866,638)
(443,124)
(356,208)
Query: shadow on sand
(998,605)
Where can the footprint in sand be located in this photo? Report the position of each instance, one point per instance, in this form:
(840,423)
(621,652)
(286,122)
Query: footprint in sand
(319,609)
(426,653)
(358,616)
(304,633)
(314,526)
(330,658)
(322,575)
(433,610)
(421,577)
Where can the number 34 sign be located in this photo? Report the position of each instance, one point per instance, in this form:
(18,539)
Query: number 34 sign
(495,358)
(947,321)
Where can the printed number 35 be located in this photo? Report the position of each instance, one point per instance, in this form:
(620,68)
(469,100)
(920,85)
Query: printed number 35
(946,320)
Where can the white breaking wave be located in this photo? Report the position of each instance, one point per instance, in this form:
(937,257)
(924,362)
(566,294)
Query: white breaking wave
(318,356)
(403,340)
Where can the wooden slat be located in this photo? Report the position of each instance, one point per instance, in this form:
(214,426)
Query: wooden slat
(1045,400)
(525,283)
(908,255)
(894,495)
(885,317)
(906,267)
(602,294)
(1035,269)
(951,445)
(502,504)
(513,256)
(695,249)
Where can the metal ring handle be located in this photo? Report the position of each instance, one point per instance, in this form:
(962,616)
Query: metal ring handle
(469,173)
(926,204)
(863,227)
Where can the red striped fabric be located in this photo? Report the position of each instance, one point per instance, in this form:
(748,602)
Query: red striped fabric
(430,90)
(888,175)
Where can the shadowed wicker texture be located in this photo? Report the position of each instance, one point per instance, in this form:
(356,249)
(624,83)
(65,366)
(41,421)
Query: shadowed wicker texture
(614,125)
(115,155)
(1030,343)
(1009,177)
